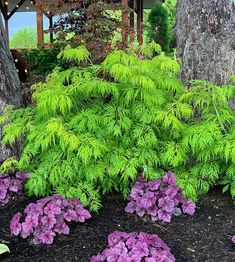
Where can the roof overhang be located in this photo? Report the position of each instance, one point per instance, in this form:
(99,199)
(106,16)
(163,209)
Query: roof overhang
(28,6)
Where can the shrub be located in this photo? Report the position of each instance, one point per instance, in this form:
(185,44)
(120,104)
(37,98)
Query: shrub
(47,217)
(159,199)
(159,28)
(11,185)
(134,247)
(94,127)
(42,61)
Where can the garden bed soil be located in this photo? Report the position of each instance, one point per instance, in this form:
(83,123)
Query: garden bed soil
(205,237)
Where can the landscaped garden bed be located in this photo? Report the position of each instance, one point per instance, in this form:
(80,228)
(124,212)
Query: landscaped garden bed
(202,237)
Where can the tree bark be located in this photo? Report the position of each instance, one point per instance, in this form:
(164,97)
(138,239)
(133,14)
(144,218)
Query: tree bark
(10,87)
(205,34)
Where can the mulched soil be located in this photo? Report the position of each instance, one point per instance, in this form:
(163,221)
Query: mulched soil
(203,237)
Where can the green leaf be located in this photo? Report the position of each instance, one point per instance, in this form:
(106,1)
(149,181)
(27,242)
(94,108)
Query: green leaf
(4,249)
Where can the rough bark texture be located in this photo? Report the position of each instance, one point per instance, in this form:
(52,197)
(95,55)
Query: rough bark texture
(205,32)
(9,85)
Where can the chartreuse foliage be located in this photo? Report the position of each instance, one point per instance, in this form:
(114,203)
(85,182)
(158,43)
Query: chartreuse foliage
(94,127)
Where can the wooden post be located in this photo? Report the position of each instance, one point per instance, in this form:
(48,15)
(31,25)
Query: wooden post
(40,34)
(132,20)
(140,21)
(50,28)
(124,4)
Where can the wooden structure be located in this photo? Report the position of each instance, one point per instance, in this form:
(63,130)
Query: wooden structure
(129,8)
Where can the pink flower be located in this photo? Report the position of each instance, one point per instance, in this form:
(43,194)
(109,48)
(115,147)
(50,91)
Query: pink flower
(148,199)
(47,237)
(150,259)
(136,193)
(189,208)
(52,209)
(15,225)
(169,178)
(48,221)
(22,176)
(82,214)
(3,193)
(140,249)
(154,185)
(164,215)
(131,242)
(166,203)
(233,239)
(131,207)
(71,215)
(61,229)
(15,186)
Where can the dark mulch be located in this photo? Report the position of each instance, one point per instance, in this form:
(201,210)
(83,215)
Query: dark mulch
(204,237)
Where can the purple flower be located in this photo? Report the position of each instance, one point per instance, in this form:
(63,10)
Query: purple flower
(140,211)
(71,215)
(134,258)
(150,259)
(22,176)
(166,203)
(152,211)
(133,247)
(189,208)
(164,215)
(62,229)
(169,178)
(136,193)
(15,186)
(31,221)
(148,199)
(141,249)
(3,193)
(233,239)
(111,254)
(47,237)
(52,209)
(131,242)
(131,207)
(48,221)
(82,214)
(177,211)
(154,185)
(15,225)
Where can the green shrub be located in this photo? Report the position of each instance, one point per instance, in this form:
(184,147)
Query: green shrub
(26,38)
(42,60)
(94,127)
(159,28)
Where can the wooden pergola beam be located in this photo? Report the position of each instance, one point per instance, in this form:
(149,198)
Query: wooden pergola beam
(40,33)
(2,8)
(140,21)
(16,8)
(132,20)
(124,4)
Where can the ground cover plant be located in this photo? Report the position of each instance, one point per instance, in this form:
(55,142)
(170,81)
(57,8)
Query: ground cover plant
(160,199)
(93,128)
(11,185)
(128,247)
(46,217)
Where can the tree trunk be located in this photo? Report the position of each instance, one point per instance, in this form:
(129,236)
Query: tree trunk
(10,89)
(205,32)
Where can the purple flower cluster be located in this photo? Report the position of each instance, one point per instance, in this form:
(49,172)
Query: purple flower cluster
(233,239)
(134,247)
(47,217)
(159,199)
(10,185)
